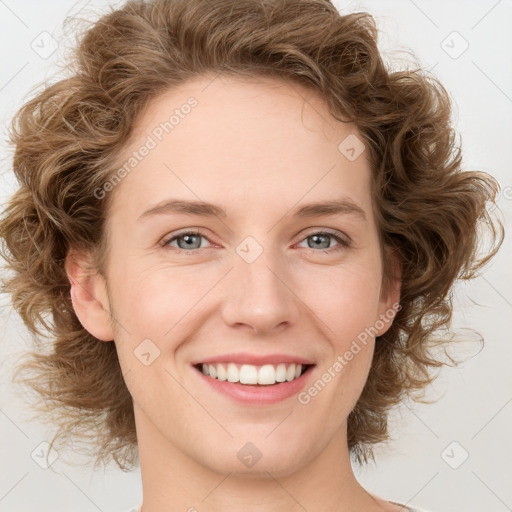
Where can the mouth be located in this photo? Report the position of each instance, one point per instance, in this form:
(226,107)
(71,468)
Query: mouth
(266,375)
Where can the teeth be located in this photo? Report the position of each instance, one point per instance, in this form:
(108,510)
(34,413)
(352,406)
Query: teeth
(267,374)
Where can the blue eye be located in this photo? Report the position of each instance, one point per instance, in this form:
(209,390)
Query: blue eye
(190,241)
(325,235)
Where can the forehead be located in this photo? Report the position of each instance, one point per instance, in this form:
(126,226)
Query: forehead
(240,141)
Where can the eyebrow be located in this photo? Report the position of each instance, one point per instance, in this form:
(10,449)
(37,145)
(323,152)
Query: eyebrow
(344,206)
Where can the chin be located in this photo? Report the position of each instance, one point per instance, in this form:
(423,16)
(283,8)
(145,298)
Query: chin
(257,460)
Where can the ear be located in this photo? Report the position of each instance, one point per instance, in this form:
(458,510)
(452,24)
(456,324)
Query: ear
(389,303)
(89,296)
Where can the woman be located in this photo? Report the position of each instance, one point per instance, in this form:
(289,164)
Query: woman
(245,229)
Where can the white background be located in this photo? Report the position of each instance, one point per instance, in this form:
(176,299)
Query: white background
(473,406)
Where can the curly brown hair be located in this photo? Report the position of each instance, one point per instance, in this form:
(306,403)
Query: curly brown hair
(67,139)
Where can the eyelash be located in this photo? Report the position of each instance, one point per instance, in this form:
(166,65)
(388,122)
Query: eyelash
(343,243)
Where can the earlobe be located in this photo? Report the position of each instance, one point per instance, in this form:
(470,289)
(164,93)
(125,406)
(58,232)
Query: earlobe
(89,296)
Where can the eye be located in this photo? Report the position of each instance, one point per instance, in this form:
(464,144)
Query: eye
(320,240)
(190,241)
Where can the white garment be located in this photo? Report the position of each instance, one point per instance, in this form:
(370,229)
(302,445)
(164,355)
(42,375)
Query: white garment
(406,509)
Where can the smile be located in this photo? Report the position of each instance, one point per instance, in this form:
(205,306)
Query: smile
(248,374)
(253,385)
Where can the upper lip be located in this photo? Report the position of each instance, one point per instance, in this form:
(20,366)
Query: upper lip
(254,359)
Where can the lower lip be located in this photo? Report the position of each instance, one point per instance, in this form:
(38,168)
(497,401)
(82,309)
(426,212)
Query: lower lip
(257,394)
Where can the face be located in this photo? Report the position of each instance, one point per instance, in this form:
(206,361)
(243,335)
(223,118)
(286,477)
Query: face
(259,275)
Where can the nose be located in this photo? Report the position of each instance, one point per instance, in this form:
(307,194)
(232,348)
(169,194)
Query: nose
(259,295)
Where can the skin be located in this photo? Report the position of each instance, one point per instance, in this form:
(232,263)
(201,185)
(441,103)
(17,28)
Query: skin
(258,148)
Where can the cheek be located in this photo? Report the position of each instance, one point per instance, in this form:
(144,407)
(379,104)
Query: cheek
(348,318)
(153,300)
(347,302)
(346,298)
